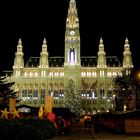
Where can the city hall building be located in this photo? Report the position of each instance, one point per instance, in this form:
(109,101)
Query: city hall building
(44,75)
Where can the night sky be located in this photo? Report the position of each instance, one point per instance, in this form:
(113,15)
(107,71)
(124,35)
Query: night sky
(113,21)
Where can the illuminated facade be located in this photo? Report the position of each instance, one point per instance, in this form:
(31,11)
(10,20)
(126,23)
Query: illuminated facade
(45,75)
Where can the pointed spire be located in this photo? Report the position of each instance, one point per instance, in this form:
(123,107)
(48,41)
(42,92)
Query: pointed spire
(72,1)
(127,58)
(44,46)
(20,42)
(43,63)
(72,4)
(72,17)
(101,43)
(126,41)
(101,55)
(44,41)
(19,46)
(19,61)
(126,45)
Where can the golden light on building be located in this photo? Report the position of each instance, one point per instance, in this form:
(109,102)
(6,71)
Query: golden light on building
(93,74)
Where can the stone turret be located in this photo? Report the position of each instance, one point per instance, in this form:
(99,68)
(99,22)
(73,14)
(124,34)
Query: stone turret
(18,61)
(101,63)
(43,63)
(127,58)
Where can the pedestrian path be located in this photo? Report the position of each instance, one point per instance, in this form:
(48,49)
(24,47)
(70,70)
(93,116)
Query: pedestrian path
(78,132)
(75,133)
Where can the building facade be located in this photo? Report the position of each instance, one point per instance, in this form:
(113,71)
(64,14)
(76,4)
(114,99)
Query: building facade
(44,75)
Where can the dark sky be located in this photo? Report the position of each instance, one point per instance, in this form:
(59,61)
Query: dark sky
(33,21)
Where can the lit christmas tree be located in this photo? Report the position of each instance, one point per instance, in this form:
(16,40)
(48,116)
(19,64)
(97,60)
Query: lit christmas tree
(72,98)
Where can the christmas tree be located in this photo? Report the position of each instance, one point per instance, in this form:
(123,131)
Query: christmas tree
(72,98)
(6,91)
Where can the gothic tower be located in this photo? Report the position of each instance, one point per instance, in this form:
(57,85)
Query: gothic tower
(127,58)
(18,61)
(101,63)
(43,63)
(101,72)
(72,44)
(101,56)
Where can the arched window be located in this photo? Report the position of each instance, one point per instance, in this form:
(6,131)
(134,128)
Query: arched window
(42,96)
(102,93)
(109,93)
(30,94)
(35,94)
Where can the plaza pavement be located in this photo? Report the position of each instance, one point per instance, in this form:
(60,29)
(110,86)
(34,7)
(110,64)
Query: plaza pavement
(78,132)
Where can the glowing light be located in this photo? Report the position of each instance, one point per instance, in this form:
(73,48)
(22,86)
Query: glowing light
(72,57)
(93,95)
(108,100)
(124,107)
(36,74)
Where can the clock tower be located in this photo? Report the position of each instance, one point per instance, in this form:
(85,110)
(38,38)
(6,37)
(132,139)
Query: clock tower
(72,62)
(72,37)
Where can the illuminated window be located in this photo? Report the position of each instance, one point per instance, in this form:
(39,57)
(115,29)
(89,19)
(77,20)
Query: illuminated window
(43,73)
(42,95)
(101,73)
(51,74)
(36,74)
(25,74)
(94,95)
(24,95)
(56,74)
(31,74)
(88,73)
(35,94)
(61,73)
(17,73)
(30,94)
(83,74)
(94,74)
(56,95)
